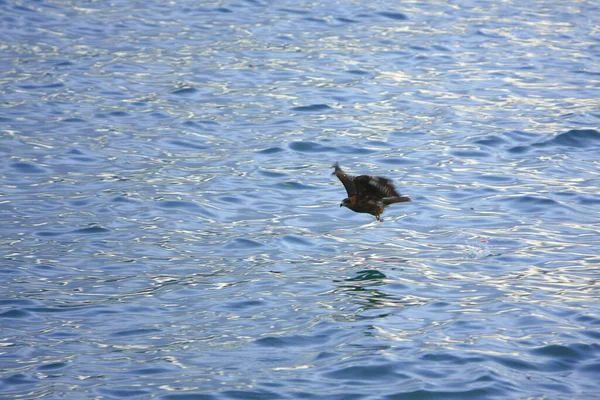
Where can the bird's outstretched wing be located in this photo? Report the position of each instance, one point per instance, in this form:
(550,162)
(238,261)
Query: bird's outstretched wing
(347,180)
(374,186)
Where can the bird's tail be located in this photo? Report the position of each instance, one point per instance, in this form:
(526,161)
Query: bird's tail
(396,199)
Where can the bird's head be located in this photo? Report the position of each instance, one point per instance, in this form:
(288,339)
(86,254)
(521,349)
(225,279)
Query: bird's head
(345,203)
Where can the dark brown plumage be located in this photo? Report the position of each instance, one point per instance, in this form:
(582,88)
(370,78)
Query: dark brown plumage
(368,194)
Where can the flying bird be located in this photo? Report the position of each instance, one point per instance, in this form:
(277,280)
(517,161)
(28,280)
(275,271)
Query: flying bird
(368,194)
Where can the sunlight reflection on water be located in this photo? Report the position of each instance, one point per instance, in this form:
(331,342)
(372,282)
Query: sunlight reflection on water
(171,227)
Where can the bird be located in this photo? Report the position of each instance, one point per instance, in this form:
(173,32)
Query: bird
(367,194)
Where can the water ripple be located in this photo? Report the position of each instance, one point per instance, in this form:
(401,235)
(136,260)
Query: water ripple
(171,228)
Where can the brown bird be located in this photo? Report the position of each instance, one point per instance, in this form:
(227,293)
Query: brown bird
(368,194)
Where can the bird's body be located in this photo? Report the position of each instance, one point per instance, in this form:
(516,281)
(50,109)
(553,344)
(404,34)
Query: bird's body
(368,194)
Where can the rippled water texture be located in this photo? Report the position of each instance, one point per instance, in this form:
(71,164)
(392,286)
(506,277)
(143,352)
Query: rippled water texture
(171,229)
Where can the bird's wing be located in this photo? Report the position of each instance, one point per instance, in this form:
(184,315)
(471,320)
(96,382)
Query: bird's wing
(374,186)
(347,180)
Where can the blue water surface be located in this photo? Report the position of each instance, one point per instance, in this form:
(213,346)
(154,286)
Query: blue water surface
(170,228)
